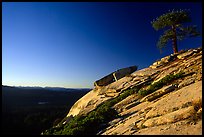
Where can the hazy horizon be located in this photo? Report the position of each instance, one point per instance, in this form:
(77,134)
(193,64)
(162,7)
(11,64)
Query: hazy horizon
(73,44)
(43,87)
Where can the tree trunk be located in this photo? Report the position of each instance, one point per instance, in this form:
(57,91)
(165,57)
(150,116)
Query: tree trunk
(174,40)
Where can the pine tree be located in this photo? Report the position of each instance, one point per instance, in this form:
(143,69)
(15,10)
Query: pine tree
(173,20)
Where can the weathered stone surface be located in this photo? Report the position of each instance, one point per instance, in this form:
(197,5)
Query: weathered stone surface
(163,107)
(163,61)
(198,57)
(120,84)
(176,98)
(169,88)
(110,91)
(157,66)
(112,94)
(153,67)
(186,82)
(158,93)
(185,55)
(132,105)
(161,112)
(178,128)
(83,104)
(171,117)
(170,106)
(122,104)
(115,121)
(157,63)
(168,58)
(145,72)
(165,73)
(133,84)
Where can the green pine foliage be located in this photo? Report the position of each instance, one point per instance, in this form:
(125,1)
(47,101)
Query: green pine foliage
(172,21)
(171,18)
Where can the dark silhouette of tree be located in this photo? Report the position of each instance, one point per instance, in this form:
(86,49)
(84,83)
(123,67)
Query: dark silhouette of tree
(173,20)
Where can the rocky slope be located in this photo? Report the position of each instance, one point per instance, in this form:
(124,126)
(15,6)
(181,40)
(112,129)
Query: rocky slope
(167,98)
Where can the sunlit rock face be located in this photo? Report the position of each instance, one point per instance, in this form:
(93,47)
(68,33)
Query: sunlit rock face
(173,109)
(101,93)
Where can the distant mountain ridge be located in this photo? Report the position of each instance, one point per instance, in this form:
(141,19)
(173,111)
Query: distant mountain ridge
(29,110)
(49,88)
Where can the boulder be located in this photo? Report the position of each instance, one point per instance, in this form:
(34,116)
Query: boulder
(115,76)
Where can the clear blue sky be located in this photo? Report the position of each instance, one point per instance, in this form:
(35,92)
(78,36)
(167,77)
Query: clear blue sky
(74,44)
